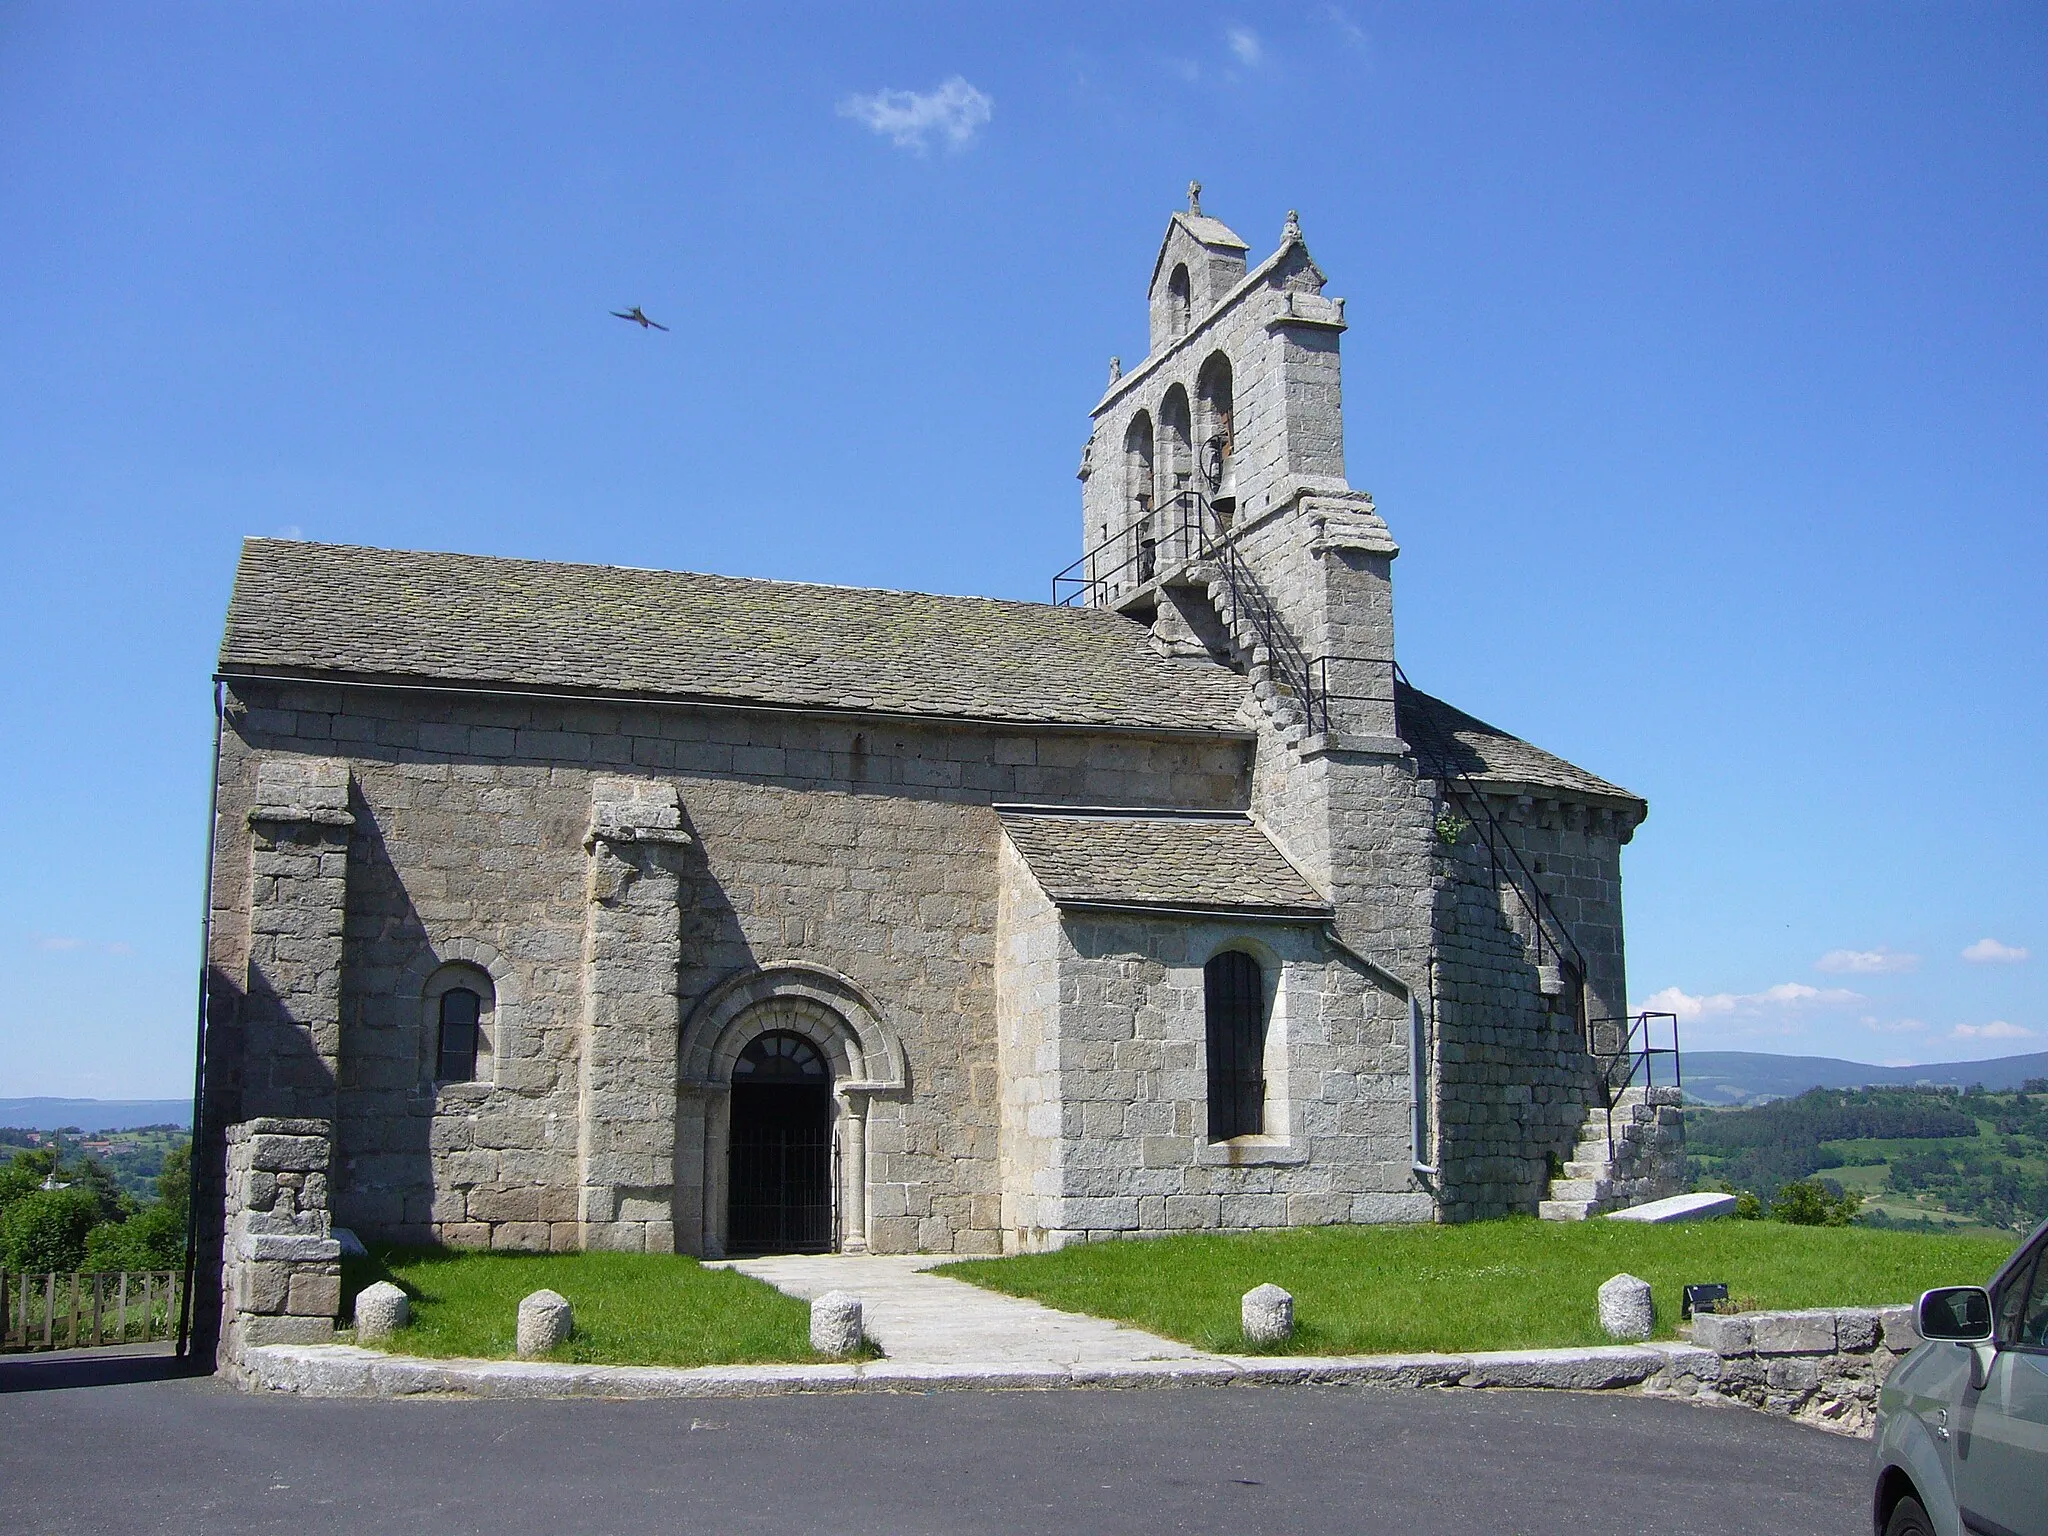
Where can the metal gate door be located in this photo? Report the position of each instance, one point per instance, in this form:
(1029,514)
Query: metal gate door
(780,1181)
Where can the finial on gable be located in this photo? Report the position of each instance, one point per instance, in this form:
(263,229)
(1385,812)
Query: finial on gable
(1292,231)
(1195,198)
(1116,369)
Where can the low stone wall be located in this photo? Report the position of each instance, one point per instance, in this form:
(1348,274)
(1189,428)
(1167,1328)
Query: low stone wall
(1822,1367)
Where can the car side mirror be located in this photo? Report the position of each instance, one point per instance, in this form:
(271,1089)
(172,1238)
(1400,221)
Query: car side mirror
(1958,1312)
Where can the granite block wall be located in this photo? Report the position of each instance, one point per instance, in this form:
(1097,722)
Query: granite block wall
(867,848)
(1516,1078)
(1117,1144)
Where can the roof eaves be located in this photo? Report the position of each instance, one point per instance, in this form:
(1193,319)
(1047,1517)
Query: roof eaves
(230,673)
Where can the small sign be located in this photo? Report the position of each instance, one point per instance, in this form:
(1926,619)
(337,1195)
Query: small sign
(1702,1298)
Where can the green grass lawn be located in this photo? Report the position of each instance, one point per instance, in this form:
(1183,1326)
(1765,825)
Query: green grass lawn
(1519,1283)
(630,1308)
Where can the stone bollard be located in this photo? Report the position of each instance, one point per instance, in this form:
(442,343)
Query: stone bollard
(1268,1315)
(381,1310)
(1626,1311)
(836,1324)
(545,1323)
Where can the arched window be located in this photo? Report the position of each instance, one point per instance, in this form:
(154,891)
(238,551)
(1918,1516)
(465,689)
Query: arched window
(1218,428)
(1180,302)
(1234,999)
(780,1057)
(461,1030)
(459,1025)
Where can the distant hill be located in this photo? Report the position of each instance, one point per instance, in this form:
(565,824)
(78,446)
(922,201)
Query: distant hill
(1752,1077)
(94,1114)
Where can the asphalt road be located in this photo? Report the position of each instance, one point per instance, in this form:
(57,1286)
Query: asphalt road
(87,1447)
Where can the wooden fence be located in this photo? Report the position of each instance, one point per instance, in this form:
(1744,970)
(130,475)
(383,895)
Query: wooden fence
(80,1311)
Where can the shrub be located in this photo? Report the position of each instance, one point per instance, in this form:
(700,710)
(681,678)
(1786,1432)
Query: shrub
(1810,1203)
(47,1228)
(1749,1206)
(155,1239)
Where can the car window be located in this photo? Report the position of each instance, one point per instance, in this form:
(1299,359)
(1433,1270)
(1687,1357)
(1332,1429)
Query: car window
(2021,1306)
(2033,1327)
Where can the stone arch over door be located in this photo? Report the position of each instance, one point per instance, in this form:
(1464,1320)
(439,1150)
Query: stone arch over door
(848,1028)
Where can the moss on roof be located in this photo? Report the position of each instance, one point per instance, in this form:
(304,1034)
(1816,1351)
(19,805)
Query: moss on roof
(344,611)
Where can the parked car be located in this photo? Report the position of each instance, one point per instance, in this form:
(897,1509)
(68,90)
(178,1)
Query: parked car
(1962,1423)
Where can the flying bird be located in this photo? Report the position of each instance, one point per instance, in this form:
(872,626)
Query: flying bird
(634,314)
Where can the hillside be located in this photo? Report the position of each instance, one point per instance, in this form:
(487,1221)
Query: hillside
(1916,1155)
(93,1114)
(1754,1077)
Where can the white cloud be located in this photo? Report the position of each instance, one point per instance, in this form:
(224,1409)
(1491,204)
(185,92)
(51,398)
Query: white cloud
(1865,962)
(1997,1029)
(954,112)
(1786,996)
(291,531)
(1244,42)
(1991,952)
(65,943)
(1348,29)
(1894,1026)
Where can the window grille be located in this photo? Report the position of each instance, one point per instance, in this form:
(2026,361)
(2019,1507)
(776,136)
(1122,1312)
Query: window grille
(461,1009)
(1234,998)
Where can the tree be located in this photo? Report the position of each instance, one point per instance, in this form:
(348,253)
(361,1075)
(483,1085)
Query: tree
(154,1237)
(25,1173)
(46,1229)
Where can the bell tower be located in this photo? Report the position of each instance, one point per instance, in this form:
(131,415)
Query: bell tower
(1220,457)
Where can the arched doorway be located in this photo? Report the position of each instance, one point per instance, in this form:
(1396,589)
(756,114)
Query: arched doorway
(779,1176)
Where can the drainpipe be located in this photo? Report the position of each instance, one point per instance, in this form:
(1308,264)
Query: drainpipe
(199,1041)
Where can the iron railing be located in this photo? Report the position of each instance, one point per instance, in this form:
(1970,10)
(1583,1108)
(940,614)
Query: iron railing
(1174,526)
(1626,1047)
(84,1310)
(1329,675)
(1187,530)
(1551,933)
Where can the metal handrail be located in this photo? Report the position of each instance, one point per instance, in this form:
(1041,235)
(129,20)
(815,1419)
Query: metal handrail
(1502,851)
(1205,539)
(1640,1058)
(1321,695)
(1087,588)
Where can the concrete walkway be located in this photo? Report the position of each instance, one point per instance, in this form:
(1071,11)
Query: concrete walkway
(924,1319)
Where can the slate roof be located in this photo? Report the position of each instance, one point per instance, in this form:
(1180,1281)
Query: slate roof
(1439,733)
(331,610)
(1158,859)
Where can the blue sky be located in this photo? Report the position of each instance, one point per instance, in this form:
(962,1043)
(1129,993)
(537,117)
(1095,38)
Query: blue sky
(1697,360)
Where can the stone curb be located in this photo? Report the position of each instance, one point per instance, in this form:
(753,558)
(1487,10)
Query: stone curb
(344,1370)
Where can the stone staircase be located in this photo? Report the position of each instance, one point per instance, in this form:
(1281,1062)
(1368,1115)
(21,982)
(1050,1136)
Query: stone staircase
(1647,1160)
(1276,695)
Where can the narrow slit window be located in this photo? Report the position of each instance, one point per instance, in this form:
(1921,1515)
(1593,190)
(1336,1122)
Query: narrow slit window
(1234,998)
(461,1014)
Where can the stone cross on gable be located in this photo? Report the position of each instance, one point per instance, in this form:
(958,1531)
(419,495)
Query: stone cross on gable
(1195,198)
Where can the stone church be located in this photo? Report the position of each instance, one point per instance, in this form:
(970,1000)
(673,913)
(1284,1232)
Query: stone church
(560,906)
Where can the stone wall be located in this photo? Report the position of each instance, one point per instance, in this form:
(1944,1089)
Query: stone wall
(1822,1367)
(867,848)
